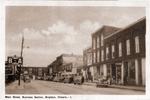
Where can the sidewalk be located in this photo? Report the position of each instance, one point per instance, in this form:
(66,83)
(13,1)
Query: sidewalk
(136,88)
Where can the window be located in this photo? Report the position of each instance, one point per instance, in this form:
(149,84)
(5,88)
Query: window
(113,51)
(94,43)
(97,55)
(89,59)
(128,46)
(120,49)
(107,52)
(102,40)
(94,58)
(137,48)
(102,55)
(98,42)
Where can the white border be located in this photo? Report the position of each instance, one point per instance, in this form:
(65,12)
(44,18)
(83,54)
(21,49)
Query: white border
(78,3)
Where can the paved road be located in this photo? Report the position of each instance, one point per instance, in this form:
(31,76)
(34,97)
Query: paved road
(47,87)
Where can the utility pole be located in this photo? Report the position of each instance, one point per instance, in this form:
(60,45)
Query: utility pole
(21,55)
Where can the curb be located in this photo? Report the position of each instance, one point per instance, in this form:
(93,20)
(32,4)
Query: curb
(111,86)
(127,88)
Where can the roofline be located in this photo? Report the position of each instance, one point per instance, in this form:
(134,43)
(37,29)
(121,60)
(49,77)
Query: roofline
(103,27)
(89,47)
(69,55)
(126,27)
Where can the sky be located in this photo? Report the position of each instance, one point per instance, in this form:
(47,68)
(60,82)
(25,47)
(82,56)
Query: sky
(52,30)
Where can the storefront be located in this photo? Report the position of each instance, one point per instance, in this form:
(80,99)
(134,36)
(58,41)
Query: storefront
(116,73)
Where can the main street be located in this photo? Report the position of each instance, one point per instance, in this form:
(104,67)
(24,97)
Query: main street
(48,87)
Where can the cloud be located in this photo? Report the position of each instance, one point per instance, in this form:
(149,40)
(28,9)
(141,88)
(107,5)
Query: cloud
(58,38)
(60,28)
(89,27)
(30,33)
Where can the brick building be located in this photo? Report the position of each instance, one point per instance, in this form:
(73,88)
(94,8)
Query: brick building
(122,54)
(98,49)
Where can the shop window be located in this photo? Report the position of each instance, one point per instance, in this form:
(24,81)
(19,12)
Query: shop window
(132,70)
(137,48)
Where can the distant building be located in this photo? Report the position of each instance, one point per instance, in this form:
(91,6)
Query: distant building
(87,63)
(36,71)
(66,64)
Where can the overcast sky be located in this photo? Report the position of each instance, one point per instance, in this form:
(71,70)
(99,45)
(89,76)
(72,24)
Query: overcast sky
(51,31)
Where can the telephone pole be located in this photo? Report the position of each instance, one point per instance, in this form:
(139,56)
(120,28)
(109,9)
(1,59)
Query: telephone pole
(21,55)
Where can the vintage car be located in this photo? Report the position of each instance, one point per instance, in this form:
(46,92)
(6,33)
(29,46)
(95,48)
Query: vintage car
(56,79)
(78,79)
(51,78)
(68,79)
(102,82)
(27,78)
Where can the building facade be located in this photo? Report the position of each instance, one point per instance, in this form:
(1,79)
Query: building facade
(122,54)
(87,63)
(98,49)
(66,64)
(36,71)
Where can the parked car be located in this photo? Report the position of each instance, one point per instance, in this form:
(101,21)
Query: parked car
(56,79)
(61,79)
(68,79)
(102,82)
(78,79)
(27,78)
(46,78)
(51,78)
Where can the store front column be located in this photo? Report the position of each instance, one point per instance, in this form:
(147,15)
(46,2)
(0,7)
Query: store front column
(136,72)
(143,71)
(105,70)
(122,73)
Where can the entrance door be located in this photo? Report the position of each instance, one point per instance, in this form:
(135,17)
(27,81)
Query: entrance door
(113,67)
(126,73)
(118,74)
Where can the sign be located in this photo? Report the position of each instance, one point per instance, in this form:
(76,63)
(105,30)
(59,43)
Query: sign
(15,60)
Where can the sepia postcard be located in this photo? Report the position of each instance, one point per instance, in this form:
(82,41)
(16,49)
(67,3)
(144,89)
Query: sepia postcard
(75,50)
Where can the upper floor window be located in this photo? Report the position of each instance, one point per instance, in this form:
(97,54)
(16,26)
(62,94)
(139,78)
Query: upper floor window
(102,40)
(120,49)
(102,55)
(94,43)
(107,52)
(97,55)
(89,59)
(113,51)
(137,46)
(98,42)
(128,46)
(94,57)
